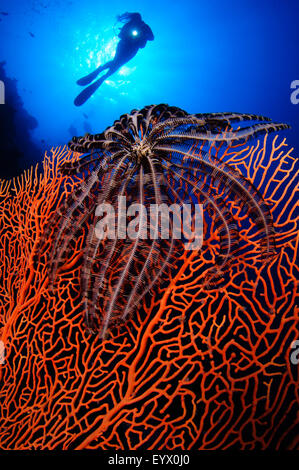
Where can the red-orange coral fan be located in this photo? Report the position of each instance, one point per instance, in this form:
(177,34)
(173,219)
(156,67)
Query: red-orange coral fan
(195,368)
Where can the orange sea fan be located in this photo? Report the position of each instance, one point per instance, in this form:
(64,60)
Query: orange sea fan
(196,367)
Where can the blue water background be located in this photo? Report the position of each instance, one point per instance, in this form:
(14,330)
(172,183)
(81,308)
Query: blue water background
(206,57)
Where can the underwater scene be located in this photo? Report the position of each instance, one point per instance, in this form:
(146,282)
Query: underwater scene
(149,228)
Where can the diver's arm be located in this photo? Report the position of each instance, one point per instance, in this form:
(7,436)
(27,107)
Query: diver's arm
(125,30)
(149,34)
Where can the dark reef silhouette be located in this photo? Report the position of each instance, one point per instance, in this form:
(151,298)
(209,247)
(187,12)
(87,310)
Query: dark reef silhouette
(17,149)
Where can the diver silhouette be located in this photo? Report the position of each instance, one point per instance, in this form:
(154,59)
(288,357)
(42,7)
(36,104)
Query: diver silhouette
(133,36)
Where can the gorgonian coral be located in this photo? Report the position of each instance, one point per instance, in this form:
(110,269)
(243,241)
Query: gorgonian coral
(159,154)
(194,367)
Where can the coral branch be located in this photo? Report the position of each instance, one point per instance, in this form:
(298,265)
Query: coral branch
(195,367)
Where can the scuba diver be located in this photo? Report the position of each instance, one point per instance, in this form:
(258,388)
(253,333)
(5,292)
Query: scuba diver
(133,36)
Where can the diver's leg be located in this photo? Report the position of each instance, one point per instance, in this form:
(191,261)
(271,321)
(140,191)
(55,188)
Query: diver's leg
(91,76)
(89,91)
(123,54)
(115,64)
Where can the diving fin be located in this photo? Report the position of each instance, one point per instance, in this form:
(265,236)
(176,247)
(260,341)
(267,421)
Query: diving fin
(90,77)
(88,92)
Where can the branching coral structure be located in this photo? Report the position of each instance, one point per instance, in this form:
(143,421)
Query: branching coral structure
(197,366)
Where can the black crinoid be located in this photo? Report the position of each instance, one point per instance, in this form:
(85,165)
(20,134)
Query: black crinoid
(157,155)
